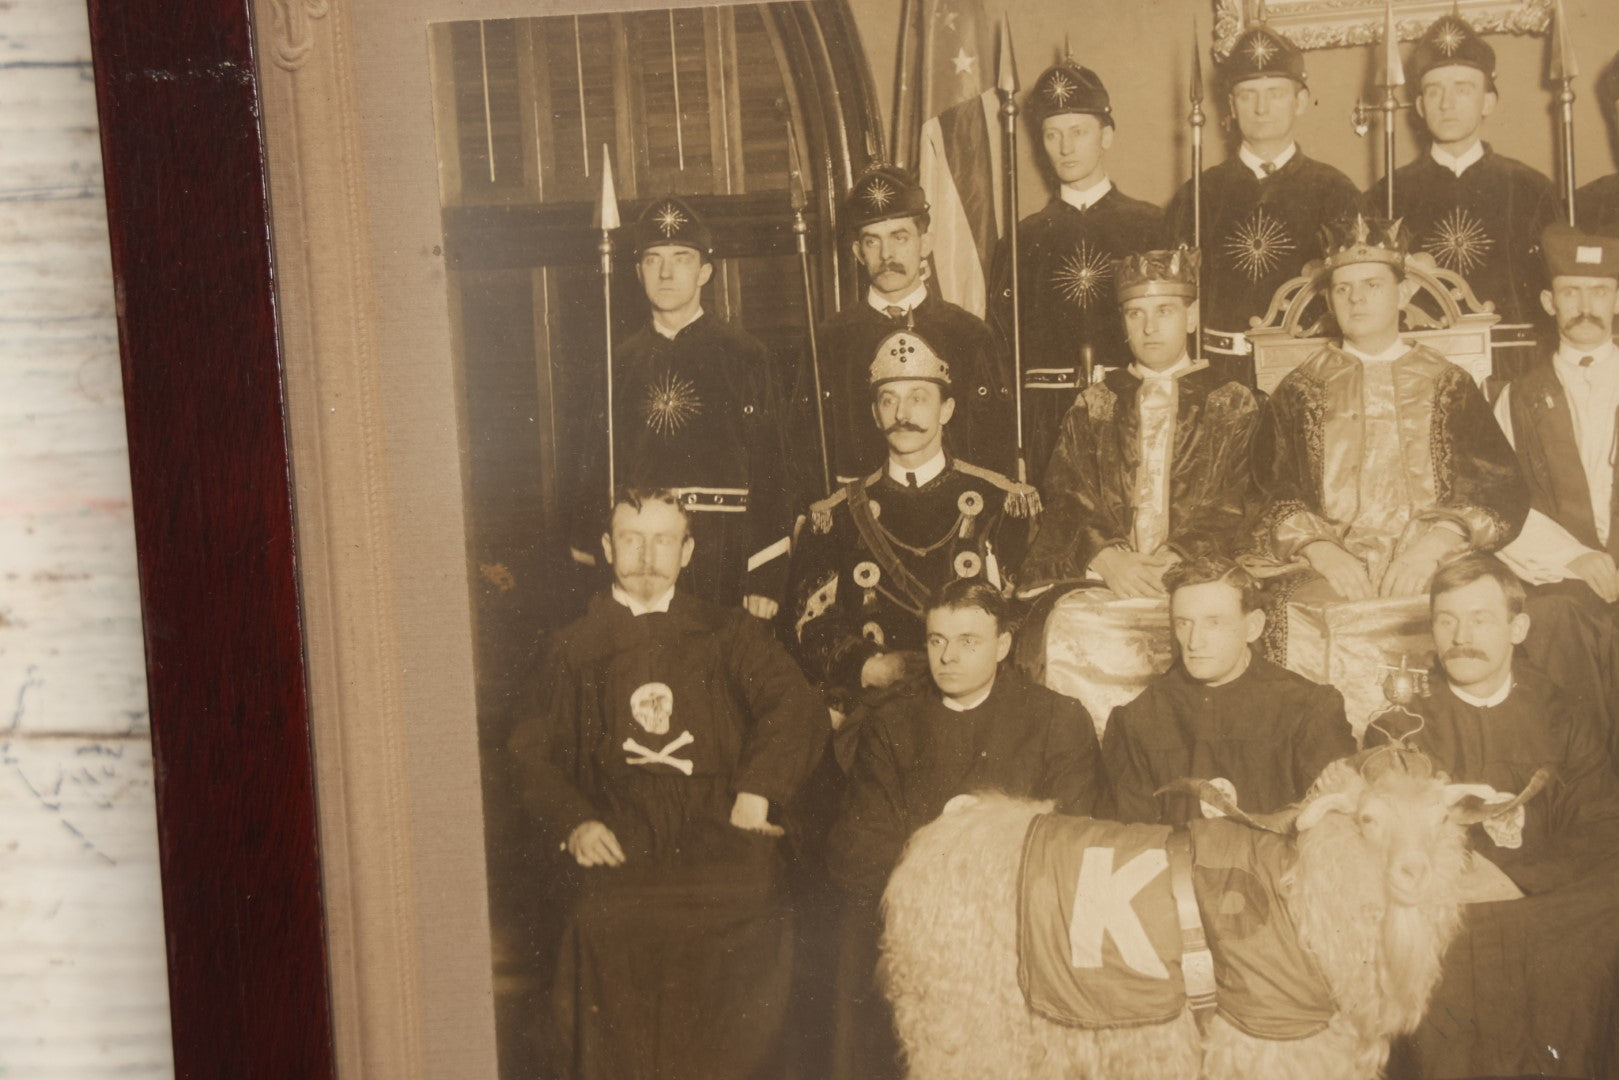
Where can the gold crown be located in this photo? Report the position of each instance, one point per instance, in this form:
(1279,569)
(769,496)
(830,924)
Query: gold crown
(905,354)
(1158,273)
(1363,240)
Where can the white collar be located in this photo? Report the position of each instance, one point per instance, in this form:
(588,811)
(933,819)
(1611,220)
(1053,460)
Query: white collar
(1484,703)
(670,334)
(661,604)
(1387,356)
(925,472)
(1457,163)
(1183,366)
(971,703)
(1569,356)
(908,301)
(1256,164)
(1088,197)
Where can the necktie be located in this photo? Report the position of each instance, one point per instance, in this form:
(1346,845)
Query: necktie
(910,479)
(1267,167)
(1587,361)
(894,311)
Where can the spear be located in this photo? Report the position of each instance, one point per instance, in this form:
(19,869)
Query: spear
(1563,70)
(1393,77)
(607,219)
(1007,84)
(1197,120)
(795,185)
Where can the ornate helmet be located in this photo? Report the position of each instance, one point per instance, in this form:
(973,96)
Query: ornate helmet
(670,221)
(1572,253)
(905,354)
(1259,53)
(1361,239)
(1158,273)
(881,193)
(1451,40)
(1068,87)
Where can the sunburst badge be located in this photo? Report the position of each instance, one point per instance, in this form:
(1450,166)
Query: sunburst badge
(879,195)
(1257,245)
(1459,242)
(1081,274)
(669,219)
(670,403)
(1449,39)
(1260,51)
(1059,89)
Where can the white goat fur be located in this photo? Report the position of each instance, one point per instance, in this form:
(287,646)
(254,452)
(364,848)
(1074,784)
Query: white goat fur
(950,948)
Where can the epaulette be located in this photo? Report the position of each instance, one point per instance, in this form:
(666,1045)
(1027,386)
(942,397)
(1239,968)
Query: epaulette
(820,512)
(1022,500)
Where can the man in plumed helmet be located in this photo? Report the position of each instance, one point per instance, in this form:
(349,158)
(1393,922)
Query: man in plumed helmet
(876,549)
(1476,212)
(697,410)
(1070,317)
(887,214)
(1152,463)
(1263,208)
(1377,459)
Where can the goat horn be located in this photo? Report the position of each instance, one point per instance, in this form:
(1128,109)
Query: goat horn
(1471,815)
(1277,822)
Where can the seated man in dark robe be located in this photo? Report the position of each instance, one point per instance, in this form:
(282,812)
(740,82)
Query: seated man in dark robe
(1529,986)
(670,730)
(1222,713)
(978,726)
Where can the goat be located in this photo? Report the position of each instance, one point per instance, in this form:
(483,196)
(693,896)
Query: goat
(1373,891)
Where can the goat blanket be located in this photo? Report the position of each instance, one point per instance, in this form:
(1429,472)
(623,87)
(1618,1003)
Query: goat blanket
(1099,945)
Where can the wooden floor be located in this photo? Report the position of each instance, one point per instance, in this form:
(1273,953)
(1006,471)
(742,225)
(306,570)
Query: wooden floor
(82,987)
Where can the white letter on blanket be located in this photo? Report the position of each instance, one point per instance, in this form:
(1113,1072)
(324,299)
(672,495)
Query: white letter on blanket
(1102,906)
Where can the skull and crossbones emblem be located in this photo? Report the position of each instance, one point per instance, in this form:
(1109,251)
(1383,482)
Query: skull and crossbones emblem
(653,706)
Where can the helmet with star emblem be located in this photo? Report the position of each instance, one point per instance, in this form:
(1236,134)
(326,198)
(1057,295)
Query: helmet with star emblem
(882,193)
(1452,41)
(1068,87)
(1158,273)
(1361,239)
(905,354)
(1261,53)
(671,222)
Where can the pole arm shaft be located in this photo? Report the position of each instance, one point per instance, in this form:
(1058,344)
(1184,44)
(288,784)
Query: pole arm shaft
(1009,112)
(801,240)
(605,247)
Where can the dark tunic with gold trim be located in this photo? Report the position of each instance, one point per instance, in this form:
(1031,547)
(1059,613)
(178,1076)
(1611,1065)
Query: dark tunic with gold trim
(1454,464)
(702,413)
(980,378)
(1258,233)
(1485,225)
(1092,476)
(652,724)
(1596,205)
(872,554)
(1065,276)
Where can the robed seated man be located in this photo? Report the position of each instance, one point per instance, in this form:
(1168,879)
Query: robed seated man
(1529,987)
(670,730)
(1222,713)
(977,725)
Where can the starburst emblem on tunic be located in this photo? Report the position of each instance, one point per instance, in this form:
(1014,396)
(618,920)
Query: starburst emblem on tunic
(1059,89)
(1258,245)
(670,403)
(1459,242)
(1449,39)
(1081,275)
(1260,51)
(879,195)
(669,219)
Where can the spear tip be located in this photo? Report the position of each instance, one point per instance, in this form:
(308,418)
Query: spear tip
(1197,66)
(1393,69)
(607,217)
(795,172)
(1563,66)
(1006,64)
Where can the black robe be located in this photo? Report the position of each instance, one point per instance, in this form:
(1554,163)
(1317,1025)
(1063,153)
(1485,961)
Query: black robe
(1258,234)
(1069,303)
(703,411)
(1596,205)
(1092,476)
(1269,731)
(1485,225)
(980,378)
(677,963)
(1529,985)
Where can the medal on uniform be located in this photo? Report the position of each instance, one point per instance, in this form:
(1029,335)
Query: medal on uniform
(866,576)
(968,564)
(971,504)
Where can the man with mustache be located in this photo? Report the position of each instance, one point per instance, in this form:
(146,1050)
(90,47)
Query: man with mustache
(1559,416)
(888,214)
(669,731)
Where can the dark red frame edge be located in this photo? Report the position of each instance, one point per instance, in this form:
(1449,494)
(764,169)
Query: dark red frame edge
(188,214)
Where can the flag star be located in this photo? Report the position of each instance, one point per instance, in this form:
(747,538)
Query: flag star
(964,63)
(950,18)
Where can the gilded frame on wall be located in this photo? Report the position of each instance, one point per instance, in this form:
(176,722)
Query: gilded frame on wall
(1320,24)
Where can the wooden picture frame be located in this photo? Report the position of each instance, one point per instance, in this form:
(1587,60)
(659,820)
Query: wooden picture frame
(1321,24)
